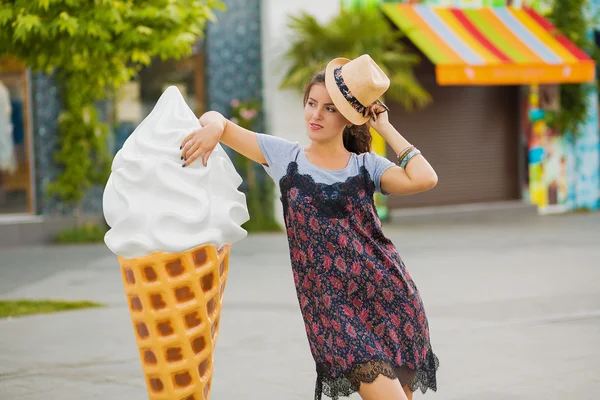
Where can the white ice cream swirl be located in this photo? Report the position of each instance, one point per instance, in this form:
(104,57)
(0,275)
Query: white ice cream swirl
(152,204)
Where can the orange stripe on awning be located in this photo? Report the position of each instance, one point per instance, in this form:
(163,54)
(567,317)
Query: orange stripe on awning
(416,29)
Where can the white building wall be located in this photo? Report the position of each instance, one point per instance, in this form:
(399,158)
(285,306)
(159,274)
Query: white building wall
(283,109)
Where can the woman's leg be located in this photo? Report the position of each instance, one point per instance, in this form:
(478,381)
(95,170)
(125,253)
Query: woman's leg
(408,392)
(407,378)
(382,388)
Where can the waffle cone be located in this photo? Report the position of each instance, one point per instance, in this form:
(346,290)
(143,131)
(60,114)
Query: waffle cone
(175,302)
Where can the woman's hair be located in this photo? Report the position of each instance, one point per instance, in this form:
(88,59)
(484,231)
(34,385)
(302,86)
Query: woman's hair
(357,139)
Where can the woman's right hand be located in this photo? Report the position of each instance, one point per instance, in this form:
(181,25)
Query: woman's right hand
(203,141)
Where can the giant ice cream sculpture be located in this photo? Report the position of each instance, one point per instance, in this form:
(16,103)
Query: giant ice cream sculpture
(172,229)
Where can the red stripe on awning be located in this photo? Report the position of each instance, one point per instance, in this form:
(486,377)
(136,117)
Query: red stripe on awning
(560,38)
(472,29)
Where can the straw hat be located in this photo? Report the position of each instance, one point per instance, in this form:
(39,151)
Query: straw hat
(354,85)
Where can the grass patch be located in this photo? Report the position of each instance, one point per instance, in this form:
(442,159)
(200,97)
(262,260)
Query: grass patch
(19,308)
(87,233)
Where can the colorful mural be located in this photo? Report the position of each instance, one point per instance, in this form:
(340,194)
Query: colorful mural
(564,171)
(547,151)
(586,147)
(585,187)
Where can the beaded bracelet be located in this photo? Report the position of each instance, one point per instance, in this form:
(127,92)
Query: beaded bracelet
(408,157)
(404,152)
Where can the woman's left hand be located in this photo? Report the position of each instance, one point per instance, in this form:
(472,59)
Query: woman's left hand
(378,113)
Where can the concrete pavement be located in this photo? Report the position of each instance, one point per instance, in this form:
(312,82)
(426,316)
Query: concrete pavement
(514,310)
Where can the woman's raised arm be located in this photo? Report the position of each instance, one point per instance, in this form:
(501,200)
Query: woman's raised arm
(216,128)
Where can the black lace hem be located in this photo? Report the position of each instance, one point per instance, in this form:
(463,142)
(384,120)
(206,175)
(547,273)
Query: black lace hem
(422,379)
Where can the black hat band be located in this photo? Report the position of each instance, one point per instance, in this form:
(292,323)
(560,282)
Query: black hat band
(357,105)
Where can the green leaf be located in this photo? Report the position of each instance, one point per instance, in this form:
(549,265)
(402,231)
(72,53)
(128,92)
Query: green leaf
(67,24)
(6,16)
(26,26)
(141,57)
(144,30)
(44,4)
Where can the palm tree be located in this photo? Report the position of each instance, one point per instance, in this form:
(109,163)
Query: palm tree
(352,34)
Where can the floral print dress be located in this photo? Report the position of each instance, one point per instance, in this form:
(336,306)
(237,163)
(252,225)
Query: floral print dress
(362,311)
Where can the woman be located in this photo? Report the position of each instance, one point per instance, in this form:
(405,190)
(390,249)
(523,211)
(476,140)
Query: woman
(364,318)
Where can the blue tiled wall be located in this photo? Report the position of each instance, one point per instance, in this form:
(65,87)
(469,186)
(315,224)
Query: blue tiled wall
(234,63)
(46,109)
(233,52)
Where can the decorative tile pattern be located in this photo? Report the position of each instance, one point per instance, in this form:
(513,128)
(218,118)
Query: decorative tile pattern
(233,56)
(234,67)
(46,106)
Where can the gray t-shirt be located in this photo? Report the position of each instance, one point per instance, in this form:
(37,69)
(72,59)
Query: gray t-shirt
(279,153)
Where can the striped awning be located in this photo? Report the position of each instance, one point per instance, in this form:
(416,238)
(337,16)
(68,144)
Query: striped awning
(492,46)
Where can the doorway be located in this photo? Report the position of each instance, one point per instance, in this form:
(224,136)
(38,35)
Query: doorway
(16,195)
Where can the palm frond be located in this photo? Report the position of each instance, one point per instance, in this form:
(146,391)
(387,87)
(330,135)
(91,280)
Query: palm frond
(352,34)
(406,90)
